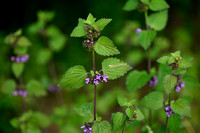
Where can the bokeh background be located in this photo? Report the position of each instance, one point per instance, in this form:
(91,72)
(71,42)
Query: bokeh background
(181,33)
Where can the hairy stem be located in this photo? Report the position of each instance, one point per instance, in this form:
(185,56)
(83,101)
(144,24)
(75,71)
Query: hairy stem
(167,117)
(95,88)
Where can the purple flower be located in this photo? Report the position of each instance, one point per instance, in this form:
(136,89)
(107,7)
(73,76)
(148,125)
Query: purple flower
(178,88)
(22,93)
(15,93)
(91,42)
(138,30)
(87,80)
(150,83)
(98,76)
(18,59)
(167,108)
(96,82)
(105,77)
(182,84)
(86,130)
(88,41)
(169,111)
(12,58)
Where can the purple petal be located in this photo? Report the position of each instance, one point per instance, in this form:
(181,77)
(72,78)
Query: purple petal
(82,126)
(12,58)
(98,76)
(182,84)
(15,93)
(167,108)
(178,88)
(138,30)
(87,80)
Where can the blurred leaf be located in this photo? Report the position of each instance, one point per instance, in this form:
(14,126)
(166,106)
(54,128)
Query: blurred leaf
(101,127)
(18,32)
(14,122)
(74,78)
(117,120)
(140,116)
(104,46)
(145,1)
(60,111)
(85,109)
(158,20)
(174,122)
(190,82)
(43,56)
(129,112)
(90,19)
(101,23)
(153,100)
(35,88)
(145,38)
(26,116)
(23,42)
(163,60)
(114,68)
(156,5)
(19,50)
(40,119)
(169,83)
(184,64)
(79,31)
(45,16)
(130,5)
(8,86)
(136,79)
(135,57)
(181,107)
(17,69)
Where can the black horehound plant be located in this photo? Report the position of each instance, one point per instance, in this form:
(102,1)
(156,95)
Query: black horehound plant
(112,68)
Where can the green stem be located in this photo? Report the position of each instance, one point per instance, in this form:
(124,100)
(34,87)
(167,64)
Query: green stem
(167,117)
(95,88)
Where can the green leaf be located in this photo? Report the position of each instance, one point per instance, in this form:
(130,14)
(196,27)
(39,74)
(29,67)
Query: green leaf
(184,64)
(181,107)
(101,23)
(157,5)
(26,116)
(123,101)
(101,127)
(35,88)
(40,119)
(158,20)
(174,122)
(14,122)
(74,78)
(176,54)
(140,116)
(117,120)
(129,112)
(190,82)
(153,100)
(104,46)
(130,5)
(17,69)
(46,55)
(163,60)
(23,42)
(8,86)
(114,68)
(85,109)
(19,50)
(169,83)
(79,31)
(146,37)
(145,1)
(171,60)
(137,79)
(90,19)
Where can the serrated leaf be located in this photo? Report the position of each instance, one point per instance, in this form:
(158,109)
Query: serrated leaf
(23,42)
(104,46)
(123,101)
(84,109)
(129,112)
(114,68)
(184,64)
(117,120)
(35,88)
(136,79)
(74,78)
(8,86)
(163,60)
(169,83)
(17,69)
(145,38)
(101,23)
(157,5)
(101,127)
(181,107)
(79,31)
(90,19)
(174,122)
(158,20)
(153,100)
(130,5)
(139,114)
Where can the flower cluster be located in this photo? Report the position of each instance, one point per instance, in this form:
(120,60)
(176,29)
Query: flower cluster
(169,111)
(20,59)
(138,30)
(87,130)
(88,44)
(95,79)
(153,81)
(20,92)
(91,32)
(54,88)
(178,87)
